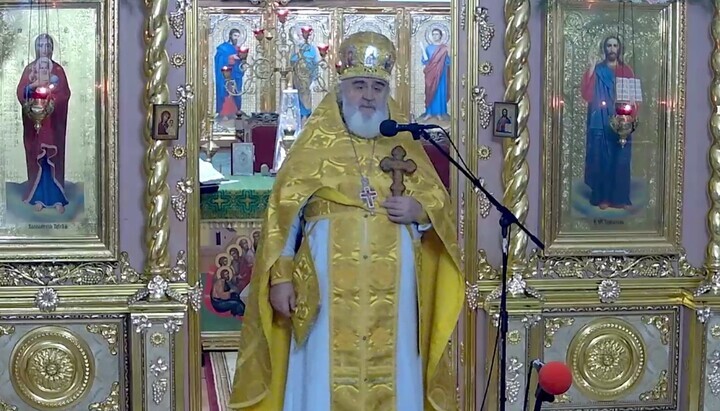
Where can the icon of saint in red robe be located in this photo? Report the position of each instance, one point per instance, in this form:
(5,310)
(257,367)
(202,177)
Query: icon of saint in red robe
(45,145)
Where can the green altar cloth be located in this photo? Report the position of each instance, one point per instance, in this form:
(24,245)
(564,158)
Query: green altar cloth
(240,198)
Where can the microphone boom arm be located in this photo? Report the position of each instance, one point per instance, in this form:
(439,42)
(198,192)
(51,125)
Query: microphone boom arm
(507,219)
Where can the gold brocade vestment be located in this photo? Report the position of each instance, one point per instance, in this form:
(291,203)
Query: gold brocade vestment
(364,260)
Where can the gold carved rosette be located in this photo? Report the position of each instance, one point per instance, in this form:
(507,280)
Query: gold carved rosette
(81,364)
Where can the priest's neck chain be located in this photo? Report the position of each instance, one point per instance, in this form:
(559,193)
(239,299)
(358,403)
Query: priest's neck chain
(367,194)
(364,179)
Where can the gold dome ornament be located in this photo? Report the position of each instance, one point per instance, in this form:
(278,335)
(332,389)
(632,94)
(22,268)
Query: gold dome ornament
(366,54)
(51,368)
(607,358)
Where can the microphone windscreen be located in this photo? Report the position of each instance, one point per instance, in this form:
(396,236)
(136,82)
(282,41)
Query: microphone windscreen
(388,128)
(555,378)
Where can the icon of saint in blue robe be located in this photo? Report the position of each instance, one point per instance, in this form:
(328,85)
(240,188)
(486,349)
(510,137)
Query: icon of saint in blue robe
(227,105)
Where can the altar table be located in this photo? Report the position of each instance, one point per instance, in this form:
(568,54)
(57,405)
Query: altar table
(240,198)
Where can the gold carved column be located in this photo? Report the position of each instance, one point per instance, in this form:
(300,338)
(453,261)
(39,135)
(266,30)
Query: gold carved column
(159,311)
(156,162)
(706,331)
(515,173)
(712,253)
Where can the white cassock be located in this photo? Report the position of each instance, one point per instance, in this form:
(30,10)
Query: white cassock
(308,377)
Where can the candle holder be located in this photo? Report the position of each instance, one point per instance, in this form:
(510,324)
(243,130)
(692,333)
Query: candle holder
(230,83)
(39,106)
(207,145)
(307,70)
(288,137)
(624,122)
(289,125)
(291,59)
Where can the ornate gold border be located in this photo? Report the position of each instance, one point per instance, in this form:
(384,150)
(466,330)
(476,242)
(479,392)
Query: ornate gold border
(637,309)
(698,329)
(104,245)
(466,122)
(192,143)
(668,240)
(693,371)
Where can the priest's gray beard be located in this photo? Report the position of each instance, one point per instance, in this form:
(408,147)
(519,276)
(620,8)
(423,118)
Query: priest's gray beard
(360,124)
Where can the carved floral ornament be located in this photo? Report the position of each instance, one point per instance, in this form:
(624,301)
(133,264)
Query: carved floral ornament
(51,275)
(608,269)
(177,17)
(179,200)
(159,288)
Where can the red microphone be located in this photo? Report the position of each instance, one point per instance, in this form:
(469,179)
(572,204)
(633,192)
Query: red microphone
(555,378)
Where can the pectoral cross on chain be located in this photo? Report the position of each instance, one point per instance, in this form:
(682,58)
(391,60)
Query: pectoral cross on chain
(368,194)
(397,166)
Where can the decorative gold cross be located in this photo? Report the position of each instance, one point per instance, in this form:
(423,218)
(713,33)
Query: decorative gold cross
(397,166)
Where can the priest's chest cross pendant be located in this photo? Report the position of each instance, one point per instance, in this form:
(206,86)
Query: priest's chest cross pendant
(368,194)
(397,166)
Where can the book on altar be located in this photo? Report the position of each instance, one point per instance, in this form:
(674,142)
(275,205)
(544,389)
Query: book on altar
(628,89)
(208,174)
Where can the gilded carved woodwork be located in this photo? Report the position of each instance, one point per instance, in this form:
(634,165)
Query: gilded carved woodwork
(111,403)
(51,367)
(156,161)
(607,358)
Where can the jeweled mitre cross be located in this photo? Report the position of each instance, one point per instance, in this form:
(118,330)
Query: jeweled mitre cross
(397,166)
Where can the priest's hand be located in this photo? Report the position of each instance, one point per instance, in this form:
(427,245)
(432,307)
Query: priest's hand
(404,210)
(282,298)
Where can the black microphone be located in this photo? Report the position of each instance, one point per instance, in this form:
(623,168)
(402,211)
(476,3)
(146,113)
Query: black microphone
(390,128)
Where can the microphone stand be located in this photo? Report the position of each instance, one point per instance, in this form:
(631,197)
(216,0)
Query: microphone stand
(540,397)
(507,219)
(540,394)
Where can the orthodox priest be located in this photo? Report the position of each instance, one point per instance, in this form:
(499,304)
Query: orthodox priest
(355,291)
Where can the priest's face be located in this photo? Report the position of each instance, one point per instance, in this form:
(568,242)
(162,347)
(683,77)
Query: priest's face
(364,102)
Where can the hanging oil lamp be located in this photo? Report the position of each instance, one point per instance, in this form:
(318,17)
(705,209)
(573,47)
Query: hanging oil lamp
(38,105)
(624,122)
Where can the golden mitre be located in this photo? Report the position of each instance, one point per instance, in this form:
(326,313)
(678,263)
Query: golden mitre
(366,54)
